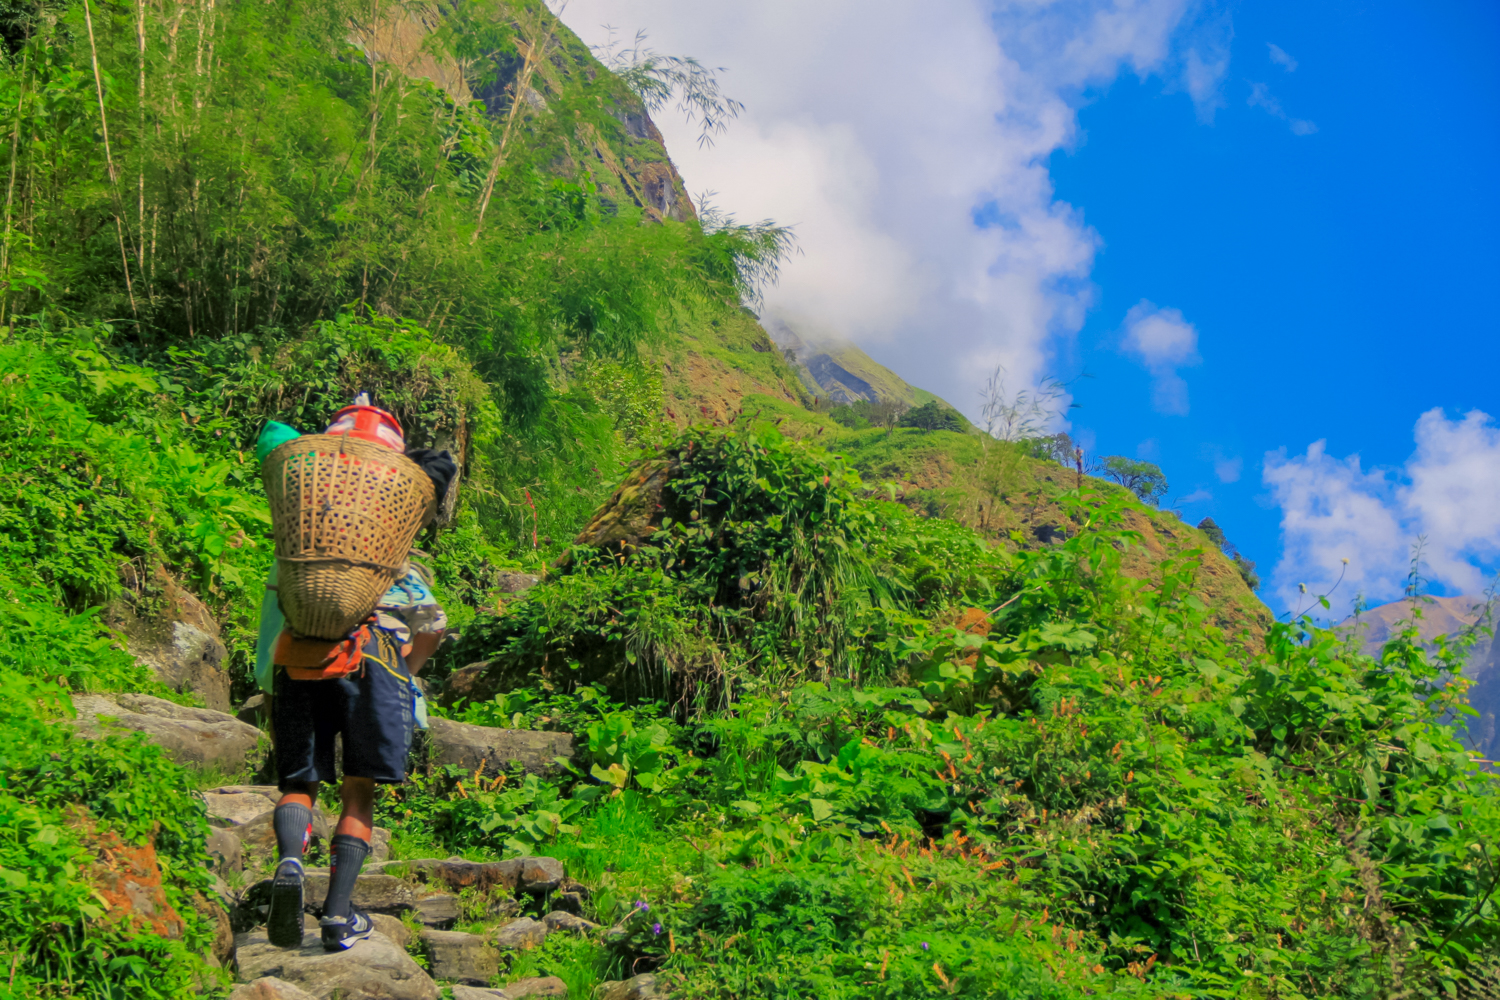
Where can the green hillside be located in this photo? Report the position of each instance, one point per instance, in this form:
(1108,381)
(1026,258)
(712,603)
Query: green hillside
(875,712)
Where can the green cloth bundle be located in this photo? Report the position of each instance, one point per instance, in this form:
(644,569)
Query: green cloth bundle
(271,436)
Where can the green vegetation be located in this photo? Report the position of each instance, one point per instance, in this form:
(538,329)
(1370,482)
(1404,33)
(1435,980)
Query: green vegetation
(933,416)
(1216,535)
(864,708)
(1144,479)
(1085,790)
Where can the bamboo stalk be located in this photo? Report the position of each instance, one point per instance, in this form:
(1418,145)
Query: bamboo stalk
(140,229)
(15,151)
(109,160)
(535,51)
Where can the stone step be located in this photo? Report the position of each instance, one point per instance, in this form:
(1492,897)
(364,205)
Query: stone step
(536,986)
(374,967)
(531,875)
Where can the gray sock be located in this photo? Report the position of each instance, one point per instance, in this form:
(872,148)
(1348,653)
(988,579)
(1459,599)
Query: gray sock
(349,855)
(293,825)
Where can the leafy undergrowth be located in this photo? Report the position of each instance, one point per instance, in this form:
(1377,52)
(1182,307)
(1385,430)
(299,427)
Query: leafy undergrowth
(1093,792)
(67,807)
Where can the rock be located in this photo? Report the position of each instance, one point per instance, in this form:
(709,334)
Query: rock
(219,890)
(493,750)
(221,952)
(268,791)
(561,920)
(195,737)
(635,512)
(127,879)
(259,835)
(512,582)
(505,906)
(236,805)
(227,852)
(392,928)
(463,958)
(637,988)
(535,986)
(469,684)
(253,711)
(269,988)
(380,845)
(476,993)
(572,902)
(456,873)
(439,912)
(520,934)
(374,969)
(373,893)
(540,875)
(180,643)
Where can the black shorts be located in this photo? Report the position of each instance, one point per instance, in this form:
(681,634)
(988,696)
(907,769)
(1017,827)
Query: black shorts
(372,708)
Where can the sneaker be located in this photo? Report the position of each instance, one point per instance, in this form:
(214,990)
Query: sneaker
(344,932)
(284,921)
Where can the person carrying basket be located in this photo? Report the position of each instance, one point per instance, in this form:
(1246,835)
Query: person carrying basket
(354,481)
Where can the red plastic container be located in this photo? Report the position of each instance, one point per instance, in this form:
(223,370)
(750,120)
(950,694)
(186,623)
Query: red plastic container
(369,423)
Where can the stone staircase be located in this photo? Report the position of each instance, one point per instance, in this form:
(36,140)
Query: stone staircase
(416,904)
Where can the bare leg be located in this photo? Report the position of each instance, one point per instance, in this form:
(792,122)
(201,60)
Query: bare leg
(423,645)
(358,817)
(304,795)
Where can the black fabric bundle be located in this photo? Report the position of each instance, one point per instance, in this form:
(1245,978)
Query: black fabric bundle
(438,465)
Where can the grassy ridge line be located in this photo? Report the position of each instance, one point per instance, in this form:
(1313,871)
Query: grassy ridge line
(1000,492)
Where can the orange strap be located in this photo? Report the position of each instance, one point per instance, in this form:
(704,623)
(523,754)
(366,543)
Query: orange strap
(321,659)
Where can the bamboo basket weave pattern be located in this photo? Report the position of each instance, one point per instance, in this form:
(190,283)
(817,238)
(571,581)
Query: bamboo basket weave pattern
(344,513)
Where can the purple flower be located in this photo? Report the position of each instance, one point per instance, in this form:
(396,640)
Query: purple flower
(656,928)
(643,906)
(924,946)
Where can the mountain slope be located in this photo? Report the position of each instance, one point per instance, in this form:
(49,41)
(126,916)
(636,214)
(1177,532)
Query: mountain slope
(841,372)
(1452,617)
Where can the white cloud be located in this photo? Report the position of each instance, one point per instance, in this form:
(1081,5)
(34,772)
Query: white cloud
(1454,495)
(1279,57)
(1333,510)
(908,144)
(1260,97)
(1202,75)
(1164,342)
(1228,469)
(1199,495)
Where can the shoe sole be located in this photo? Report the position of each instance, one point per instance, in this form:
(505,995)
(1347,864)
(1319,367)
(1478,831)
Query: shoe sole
(284,922)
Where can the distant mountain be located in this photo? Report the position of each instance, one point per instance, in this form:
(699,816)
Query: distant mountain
(840,372)
(1446,616)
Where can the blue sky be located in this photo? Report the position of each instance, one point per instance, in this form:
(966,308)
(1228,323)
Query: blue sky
(1341,282)
(1277,264)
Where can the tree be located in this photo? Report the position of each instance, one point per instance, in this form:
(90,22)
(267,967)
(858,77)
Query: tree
(1143,479)
(932,416)
(1051,448)
(1216,535)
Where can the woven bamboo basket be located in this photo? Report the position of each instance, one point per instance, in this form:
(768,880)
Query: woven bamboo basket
(344,513)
